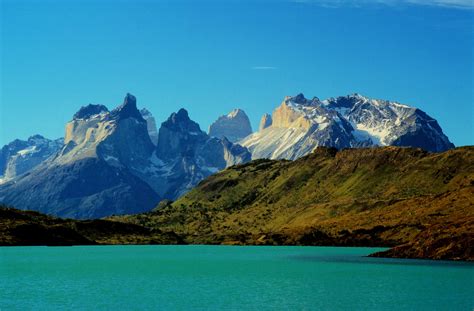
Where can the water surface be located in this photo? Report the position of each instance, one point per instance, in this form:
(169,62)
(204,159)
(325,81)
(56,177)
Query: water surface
(227,277)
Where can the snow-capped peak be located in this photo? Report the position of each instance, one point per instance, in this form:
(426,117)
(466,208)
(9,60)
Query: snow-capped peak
(346,121)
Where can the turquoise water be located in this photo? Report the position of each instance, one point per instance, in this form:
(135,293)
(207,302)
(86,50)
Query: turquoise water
(227,278)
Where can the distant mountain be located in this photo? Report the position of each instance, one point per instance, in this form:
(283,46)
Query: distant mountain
(299,125)
(265,122)
(92,176)
(234,126)
(188,154)
(109,165)
(151,125)
(117,162)
(21,156)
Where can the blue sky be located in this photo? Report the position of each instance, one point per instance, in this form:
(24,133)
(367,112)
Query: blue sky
(212,56)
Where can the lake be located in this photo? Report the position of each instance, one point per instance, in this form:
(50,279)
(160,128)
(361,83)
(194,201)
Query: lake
(227,278)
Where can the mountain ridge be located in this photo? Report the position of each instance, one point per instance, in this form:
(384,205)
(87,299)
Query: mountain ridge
(151,165)
(299,125)
(234,126)
(109,164)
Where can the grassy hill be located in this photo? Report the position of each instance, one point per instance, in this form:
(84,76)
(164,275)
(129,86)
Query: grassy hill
(421,202)
(33,228)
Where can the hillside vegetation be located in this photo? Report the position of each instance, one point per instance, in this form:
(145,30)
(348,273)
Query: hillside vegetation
(421,202)
(33,228)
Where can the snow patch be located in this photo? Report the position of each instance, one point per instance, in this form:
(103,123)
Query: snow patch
(28,150)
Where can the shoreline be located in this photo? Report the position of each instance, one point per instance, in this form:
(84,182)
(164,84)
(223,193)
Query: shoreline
(377,254)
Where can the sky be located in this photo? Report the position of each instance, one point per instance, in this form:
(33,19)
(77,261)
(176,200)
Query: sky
(210,57)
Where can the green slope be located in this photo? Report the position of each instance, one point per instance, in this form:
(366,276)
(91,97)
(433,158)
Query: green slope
(33,228)
(372,197)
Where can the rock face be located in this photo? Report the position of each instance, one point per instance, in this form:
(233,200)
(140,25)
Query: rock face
(265,122)
(20,156)
(87,111)
(109,165)
(189,154)
(94,174)
(299,125)
(151,125)
(233,126)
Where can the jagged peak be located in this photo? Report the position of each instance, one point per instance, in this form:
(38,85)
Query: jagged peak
(40,139)
(128,109)
(300,99)
(358,96)
(265,121)
(183,114)
(145,112)
(36,136)
(236,113)
(129,100)
(180,121)
(350,100)
(90,110)
(234,126)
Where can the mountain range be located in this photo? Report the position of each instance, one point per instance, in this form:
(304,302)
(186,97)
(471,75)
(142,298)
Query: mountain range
(299,125)
(21,156)
(109,164)
(118,162)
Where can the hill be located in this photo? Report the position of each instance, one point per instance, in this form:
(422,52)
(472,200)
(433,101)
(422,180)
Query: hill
(32,228)
(421,202)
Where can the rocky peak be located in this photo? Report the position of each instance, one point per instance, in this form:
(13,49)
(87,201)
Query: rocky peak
(180,122)
(265,122)
(88,111)
(178,135)
(20,156)
(181,115)
(344,122)
(36,137)
(145,112)
(292,112)
(150,124)
(301,100)
(234,126)
(236,113)
(128,109)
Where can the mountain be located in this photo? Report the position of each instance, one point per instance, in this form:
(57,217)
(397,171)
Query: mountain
(234,126)
(420,202)
(151,125)
(189,155)
(265,122)
(299,125)
(93,175)
(109,165)
(21,156)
